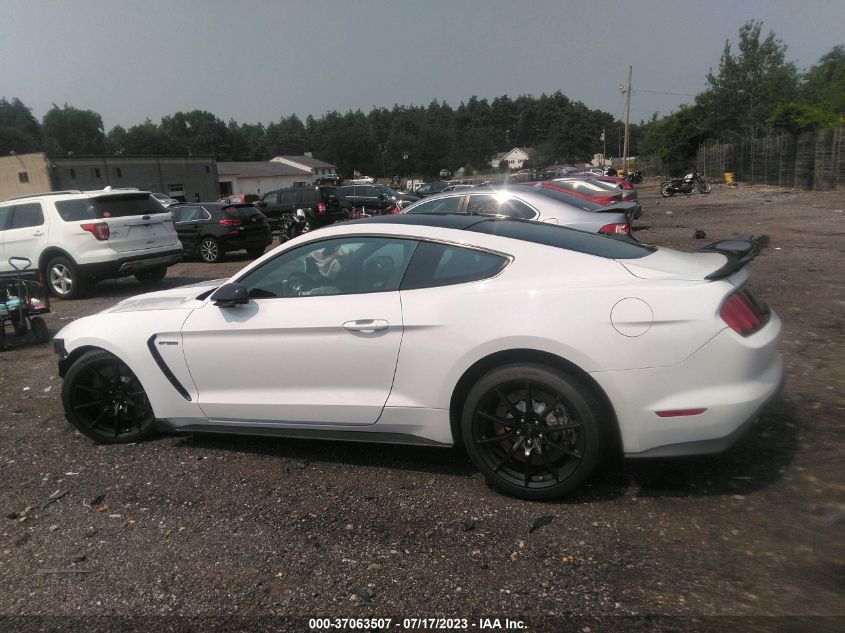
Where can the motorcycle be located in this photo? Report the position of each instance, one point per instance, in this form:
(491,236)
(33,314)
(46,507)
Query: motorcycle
(686,185)
(635,177)
(294,225)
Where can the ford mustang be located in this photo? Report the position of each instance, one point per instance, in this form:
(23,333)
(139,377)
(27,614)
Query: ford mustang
(538,348)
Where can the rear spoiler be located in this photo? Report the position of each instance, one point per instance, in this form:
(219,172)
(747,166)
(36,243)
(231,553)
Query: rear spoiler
(739,251)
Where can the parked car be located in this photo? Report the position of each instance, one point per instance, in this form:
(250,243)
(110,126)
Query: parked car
(361,180)
(539,348)
(372,199)
(585,189)
(164,200)
(320,206)
(531,203)
(240,198)
(79,237)
(606,183)
(456,188)
(430,188)
(212,229)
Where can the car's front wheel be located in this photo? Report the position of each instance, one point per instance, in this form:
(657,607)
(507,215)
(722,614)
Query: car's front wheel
(533,431)
(104,400)
(64,279)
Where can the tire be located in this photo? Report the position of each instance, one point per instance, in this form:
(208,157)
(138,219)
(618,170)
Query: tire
(64,279)
(306,227)
(667,190)
(105,401)
(209,250)
(39,330)
(704,187)
(152,275)
(562,454)
(255,253)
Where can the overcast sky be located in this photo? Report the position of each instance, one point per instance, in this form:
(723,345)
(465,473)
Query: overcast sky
(257,60)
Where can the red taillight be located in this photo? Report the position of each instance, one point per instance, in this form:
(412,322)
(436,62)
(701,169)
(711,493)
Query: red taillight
(674,413)
(742,314)
(321,208)
(230,222)
(100,230)
(622,228)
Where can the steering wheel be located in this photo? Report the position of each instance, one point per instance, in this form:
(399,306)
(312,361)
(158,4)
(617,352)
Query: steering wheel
(299,282)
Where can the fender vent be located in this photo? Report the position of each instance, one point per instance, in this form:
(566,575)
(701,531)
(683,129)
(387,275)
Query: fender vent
(166,370)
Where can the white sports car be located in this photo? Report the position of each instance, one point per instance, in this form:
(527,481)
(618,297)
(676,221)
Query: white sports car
(537,347)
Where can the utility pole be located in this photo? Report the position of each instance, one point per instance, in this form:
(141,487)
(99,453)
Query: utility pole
(603,147)
(627,119)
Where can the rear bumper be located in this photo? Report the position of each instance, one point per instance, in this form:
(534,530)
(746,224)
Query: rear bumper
(130,265)
(731,378)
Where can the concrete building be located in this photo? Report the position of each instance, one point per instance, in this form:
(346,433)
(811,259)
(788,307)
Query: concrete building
(318,168)
(23,174)
(181,178)
(258,177)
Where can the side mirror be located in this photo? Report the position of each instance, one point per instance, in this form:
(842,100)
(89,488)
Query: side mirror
(20,263)
(230,295)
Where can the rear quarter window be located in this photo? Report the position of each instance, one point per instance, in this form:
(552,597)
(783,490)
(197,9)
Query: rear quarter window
(442,265)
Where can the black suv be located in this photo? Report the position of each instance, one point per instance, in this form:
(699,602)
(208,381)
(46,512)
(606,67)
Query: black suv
(372,199)
(320,207)
(211,229)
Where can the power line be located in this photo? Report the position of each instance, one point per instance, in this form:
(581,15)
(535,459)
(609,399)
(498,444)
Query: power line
(661,92)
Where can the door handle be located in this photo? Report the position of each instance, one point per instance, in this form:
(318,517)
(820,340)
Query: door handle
(366,326)
(38,233)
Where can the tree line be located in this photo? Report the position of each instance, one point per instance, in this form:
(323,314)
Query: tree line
(756,92)
(432,137)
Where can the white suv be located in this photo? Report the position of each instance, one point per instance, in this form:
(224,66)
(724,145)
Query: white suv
(78,237)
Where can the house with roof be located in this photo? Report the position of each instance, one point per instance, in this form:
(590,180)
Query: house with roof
(515,158)
(259,177)
(319,169)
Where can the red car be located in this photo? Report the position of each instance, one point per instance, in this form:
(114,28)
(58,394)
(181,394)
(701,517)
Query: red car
(583,188)
(240,198)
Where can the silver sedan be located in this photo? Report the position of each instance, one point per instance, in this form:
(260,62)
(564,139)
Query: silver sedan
(539,203)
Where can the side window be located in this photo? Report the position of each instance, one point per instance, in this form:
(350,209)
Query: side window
(188,214)
(498,205)
(288,197)
(350,265)
(439,205)
(271,198)
(443,265)
(5,215)
(27,215)
(75,210)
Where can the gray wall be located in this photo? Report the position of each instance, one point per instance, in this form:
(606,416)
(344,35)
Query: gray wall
(197,175)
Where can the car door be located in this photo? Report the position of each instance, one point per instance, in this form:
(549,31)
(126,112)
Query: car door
(317,343)
(188,222)
(25,234)
(5,216)
(269,206)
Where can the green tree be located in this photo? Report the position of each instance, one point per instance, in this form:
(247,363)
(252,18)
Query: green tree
(20,131)
(750,84)
(71,130)
(824,83)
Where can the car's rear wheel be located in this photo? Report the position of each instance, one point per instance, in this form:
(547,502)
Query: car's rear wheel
(64,279)
(152,275)
(104,400)
(534,432)
(209,250)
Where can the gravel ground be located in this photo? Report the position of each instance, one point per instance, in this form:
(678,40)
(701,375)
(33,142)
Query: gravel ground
(207,528)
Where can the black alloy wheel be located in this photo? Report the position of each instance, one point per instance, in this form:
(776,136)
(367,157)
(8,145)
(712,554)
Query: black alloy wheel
(104,400)
(532,431)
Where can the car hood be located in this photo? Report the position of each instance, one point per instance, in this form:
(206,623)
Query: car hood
(183,297)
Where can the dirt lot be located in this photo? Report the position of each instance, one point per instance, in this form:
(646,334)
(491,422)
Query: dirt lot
(205,527)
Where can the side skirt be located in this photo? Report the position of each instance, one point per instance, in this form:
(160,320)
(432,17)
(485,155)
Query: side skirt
(263,430)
